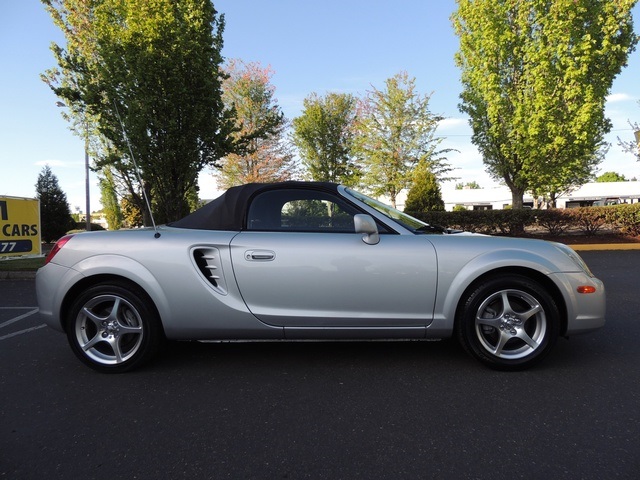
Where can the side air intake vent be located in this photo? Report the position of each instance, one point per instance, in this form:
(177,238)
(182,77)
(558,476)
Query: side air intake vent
(207,259)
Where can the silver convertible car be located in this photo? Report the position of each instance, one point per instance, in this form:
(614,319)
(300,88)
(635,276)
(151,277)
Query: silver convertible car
(312,261)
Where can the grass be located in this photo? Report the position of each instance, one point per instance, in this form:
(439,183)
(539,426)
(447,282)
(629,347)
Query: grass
(21,264)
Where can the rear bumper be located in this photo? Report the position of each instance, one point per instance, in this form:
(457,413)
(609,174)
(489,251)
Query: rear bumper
(51,282)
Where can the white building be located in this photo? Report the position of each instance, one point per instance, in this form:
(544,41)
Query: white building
(500,197)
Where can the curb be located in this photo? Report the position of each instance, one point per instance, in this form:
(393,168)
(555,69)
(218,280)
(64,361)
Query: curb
(607,246)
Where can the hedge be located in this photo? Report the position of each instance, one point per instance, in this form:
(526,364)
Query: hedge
(624,219)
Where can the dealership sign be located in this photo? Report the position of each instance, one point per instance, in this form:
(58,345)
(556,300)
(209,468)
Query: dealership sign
(19,226)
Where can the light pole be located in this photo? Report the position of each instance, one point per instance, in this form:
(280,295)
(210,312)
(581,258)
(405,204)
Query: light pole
(86,174)
(86,170)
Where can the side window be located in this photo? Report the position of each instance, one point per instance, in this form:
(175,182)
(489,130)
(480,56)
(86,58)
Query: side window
(300,211)
(315,215)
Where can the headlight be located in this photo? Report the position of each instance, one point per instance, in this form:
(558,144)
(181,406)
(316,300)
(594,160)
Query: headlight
(577,259)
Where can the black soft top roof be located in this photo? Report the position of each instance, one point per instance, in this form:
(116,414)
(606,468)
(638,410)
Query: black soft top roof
(228,211)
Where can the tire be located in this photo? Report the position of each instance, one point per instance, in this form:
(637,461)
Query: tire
(113,327)
(508,323)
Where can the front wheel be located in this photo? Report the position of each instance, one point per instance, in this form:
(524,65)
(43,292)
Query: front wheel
(113,327)
(508,323)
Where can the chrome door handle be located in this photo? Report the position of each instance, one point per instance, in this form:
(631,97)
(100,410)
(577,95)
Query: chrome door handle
(259,255)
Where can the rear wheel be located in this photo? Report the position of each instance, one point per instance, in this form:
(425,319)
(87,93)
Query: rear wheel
(508,323)
(113,327)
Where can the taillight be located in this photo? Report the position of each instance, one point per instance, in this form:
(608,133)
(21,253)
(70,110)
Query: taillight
(56,248)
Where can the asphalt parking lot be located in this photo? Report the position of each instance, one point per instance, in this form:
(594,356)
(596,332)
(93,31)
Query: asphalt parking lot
(324,410)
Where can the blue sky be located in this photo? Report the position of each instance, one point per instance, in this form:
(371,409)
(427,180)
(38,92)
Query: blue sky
(334,45)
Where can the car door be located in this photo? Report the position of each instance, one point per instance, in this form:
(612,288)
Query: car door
(301,264)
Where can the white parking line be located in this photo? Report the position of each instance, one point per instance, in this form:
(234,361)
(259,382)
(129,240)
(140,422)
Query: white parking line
(17,319)
(23,331)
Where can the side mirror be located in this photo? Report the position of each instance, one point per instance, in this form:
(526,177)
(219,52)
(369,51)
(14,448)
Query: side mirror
(366,225)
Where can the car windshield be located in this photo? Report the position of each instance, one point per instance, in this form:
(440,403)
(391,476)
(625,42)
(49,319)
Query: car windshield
(407,221)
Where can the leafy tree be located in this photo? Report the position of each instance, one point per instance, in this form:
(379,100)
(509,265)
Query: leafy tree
(324,134)
(157,67)
(261,153)
(611,177)
(131,214)
(535,75)
(109,200)
(55,214)
(395,132)
(425,194)
(469,185)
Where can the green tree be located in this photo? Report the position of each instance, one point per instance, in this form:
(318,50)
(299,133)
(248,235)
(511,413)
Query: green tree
(157,67)
(323,135)
(424,194)
(261,154)
(611,177)
(535,75)
(109,200)
(55,214)
(469,185)
(396,131)
(131,214)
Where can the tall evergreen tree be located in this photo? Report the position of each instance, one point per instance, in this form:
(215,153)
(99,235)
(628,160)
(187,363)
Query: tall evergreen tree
(424,194)
(55,214)
(535,76)
(324,135)
(157,67)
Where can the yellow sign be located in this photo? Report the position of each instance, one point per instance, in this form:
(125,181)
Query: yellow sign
(19,226)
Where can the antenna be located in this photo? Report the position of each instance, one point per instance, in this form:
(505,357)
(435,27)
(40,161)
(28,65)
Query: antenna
(137,170)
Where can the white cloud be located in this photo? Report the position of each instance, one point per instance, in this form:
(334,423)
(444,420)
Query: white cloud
(620,97)
(453,123)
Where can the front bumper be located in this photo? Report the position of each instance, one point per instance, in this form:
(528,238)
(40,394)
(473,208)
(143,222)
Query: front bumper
(585,311)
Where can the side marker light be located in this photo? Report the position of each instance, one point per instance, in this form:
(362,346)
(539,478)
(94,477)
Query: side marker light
(586,289)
